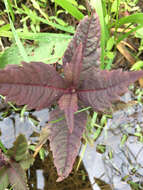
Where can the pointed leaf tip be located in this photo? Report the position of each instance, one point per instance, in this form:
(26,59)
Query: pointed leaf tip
(32,84)
(88,33)
(102,88)
(65,145)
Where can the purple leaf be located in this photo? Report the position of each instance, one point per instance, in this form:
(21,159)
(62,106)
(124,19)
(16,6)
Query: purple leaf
(17,176)
(68,103)
(72,70)
(65,145)
(87,33)
(101,88)
(36,84)
(39,85)
(3,160)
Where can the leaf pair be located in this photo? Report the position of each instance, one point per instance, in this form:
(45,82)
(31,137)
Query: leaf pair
(39,85)
(13,165)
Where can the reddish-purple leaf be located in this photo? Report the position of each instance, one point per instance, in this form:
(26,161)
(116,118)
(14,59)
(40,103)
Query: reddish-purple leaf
(39,85)
(3,160)
(17,176)
(36,84)
(101,88)
(87,33)
(65,145)
(68,103)
(72,69)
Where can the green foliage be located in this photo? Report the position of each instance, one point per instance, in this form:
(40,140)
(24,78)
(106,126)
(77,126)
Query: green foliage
(38,148)
(48,52)
(98,6)
(10,55)
(4,182)
(135,185)
(108,12)
(19,150)
(43,37)
(123,140)
(137,66)
(68,6)
(139,93)
(16,37)
(35,20)
(16,160)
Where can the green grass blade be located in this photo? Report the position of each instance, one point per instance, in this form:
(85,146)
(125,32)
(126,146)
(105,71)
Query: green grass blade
(136,18)
(70,8)
(104,31)
(123,36)
(68,29)
(37,6)
(3,147)
(36,36)
(11,10)
(16,37)
(54,25)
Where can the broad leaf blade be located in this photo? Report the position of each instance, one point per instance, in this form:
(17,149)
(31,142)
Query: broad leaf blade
(17,176)
(67,5)
(27,162)
(3,178)
(87,33)
(102,88)
(68,103)
(65,145)
(31,84)
(19,150)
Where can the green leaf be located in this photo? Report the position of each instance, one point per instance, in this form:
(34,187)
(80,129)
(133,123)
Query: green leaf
(27,162)
(42,154)
(136,18)
(47,52)
(17,176)
(19,151)
(44,37)
(139,33)
(114,7)
(16,37)
(48,22)
(110,43)
(3,178)
(70,8)
(10,56)
(11,10)
(123,140)
(137,66)
(5,28)
(98,6)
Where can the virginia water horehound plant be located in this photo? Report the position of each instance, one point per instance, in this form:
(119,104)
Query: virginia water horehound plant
(39,86)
